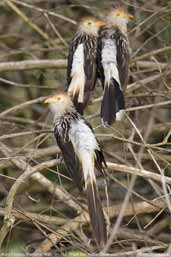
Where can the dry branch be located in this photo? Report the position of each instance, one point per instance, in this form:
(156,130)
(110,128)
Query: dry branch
(27,133)
(152,53)
(22,105)
(145,81)
(133,234)
(45,152)
(34,7)
(29,171)
(62,64)
(83,219)
(27,20)
(150,64)
(32,65)
(29,216)
(111,166)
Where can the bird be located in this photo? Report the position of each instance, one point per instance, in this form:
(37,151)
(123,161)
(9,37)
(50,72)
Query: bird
(71,128)
(113,60)
(82,62)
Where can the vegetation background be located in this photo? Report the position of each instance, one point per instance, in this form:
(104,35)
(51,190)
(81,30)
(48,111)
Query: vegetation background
(41,211)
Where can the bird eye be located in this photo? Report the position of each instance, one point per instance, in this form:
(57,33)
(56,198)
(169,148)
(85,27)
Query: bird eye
(89,23)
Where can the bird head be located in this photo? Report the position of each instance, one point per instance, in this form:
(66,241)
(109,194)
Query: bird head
(91,26)
(60,103)
(120,17)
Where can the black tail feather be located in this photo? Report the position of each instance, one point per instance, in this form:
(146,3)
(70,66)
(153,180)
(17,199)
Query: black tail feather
(96,214)
(113,101)
(81,106)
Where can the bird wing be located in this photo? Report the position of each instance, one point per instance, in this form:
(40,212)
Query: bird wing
(70,159)
(100,162)
(100,71)
(90,62)
(122,46)
(90,59)
(75,72)
(73,46)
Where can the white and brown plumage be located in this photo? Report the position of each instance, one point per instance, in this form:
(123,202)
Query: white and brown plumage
(82,62)
(113,59)
(73,131)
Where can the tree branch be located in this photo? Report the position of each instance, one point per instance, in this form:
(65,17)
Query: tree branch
(32,65)
(113,211)
(61,194)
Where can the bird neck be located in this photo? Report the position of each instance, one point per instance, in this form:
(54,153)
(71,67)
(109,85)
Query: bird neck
(121,24)
(68,115)
(60,111)
(83,33)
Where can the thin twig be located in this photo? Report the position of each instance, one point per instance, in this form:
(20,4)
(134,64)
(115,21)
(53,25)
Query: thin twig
(29,171)
(27,20)
(113,211)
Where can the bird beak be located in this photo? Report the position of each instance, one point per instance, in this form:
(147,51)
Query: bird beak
(131,17)
(100,23)
(49,100)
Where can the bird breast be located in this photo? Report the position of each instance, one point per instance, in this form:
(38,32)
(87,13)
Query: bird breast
(78,60)
(109,61)
(109,51)
(82,138)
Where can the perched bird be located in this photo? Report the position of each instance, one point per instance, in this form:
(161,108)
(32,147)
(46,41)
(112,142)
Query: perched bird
(113,58)
(71,128)
(82,62)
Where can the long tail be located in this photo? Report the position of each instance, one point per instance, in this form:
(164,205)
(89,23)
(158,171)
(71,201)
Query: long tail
(94,204)
(96,214)
(113,103)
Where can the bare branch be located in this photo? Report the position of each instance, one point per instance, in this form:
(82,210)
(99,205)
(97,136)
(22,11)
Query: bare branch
(32,65)
(29,171)
(113,211)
